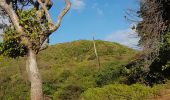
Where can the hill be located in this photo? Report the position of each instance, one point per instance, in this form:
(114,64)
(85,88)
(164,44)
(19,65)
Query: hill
(67,69)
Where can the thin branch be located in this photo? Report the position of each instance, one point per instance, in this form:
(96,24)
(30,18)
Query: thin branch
(131,20)
(61,15)
(45,34)
(48,4)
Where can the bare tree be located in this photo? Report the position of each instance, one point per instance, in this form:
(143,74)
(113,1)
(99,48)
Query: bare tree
(96,53)
(33,45)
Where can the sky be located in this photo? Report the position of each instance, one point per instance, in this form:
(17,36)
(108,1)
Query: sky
(103,19)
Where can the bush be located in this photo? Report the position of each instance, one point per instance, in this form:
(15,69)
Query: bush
(119,92)
(70,92)
(110,74)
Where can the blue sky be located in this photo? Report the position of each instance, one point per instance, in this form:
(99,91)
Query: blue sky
(103,19)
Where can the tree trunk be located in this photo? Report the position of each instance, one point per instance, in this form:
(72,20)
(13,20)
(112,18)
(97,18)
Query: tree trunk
(95,51)
(34,76)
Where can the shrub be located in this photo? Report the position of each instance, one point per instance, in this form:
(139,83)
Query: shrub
(70,92)
(110,74)
(118,92)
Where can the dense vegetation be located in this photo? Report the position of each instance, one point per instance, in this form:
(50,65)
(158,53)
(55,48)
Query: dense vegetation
(70,72)
(152,66)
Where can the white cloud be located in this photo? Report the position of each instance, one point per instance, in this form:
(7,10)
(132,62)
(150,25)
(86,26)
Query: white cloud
(126,37)
(78,4)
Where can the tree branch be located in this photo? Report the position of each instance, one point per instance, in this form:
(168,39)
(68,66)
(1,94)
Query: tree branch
(46,12)
(12,15)
(45,34)
(14,19)
(61,15)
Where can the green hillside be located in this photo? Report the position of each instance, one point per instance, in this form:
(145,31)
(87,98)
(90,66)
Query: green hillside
(69,71)
(61,66)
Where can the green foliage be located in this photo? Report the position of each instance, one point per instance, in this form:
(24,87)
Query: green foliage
(67,70)
(166,44)
(28,19)
(120,92)
(70,92)
(110,74)
(12,46)
(66,77)
(138,75)
(48,88)
(159,69)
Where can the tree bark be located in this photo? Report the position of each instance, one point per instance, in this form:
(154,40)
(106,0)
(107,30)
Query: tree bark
(34,77)
(95,51)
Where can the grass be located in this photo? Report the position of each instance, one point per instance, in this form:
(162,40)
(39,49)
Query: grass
(70,72)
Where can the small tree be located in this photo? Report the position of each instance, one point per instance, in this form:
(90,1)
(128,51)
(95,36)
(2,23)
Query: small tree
(31,27)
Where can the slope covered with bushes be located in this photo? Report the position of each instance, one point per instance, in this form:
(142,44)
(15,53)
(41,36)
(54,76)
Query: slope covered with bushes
(70,72)
(67,69)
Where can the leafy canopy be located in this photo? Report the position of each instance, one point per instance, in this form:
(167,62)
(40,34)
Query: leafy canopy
(12,45)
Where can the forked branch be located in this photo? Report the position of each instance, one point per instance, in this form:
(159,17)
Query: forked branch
(61,15)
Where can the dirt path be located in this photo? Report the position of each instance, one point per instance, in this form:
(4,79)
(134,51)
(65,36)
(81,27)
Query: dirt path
(164,95)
